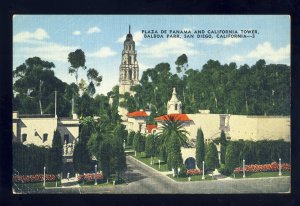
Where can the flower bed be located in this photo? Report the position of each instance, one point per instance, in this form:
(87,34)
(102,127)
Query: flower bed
(34,178)
(273,167)
(192,172)
(90,177)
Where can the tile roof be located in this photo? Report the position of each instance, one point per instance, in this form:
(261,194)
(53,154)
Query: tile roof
(150,127)
(179,117)
(137,114)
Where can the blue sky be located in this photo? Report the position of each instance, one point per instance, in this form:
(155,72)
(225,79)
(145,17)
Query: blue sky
(101,37)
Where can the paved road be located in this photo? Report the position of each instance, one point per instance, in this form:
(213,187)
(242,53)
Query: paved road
(143,180)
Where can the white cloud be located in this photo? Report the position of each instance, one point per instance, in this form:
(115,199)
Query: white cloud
(170,47)
(76,33)
(137,37)
(224,42)
(47,51)
(103,52)
(94,29)
(39,34)
(265,51)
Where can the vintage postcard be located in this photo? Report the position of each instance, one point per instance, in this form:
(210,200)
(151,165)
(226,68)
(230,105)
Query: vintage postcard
(151,104)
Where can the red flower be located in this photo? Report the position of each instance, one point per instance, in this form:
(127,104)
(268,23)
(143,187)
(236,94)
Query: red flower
(273,167)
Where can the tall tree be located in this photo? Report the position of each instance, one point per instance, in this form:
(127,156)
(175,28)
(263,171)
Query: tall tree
(223,143)
(174,159)
(150,146)
(200,148)
(77,60)
(95,79)
(130,138)
(54,159)
(118,155)
(81,157)
(139,142)
(211,157)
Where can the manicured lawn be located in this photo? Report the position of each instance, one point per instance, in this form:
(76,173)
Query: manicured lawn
(37,185)
(102,183)
(147,160)
(193,178)
(261,174)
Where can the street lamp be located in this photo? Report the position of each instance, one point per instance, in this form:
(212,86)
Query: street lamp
(280,167)
(178,171)
(95,174)
(159,164)
(244,175)
(44,184)
(203,177)
(135,153)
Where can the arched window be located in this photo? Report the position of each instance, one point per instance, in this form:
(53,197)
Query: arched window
(24,137)
(45,137)
(175,106)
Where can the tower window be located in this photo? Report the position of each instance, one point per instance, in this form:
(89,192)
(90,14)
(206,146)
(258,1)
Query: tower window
(45,137)
(140,127)
(175,106)
(129,59)
(24,137)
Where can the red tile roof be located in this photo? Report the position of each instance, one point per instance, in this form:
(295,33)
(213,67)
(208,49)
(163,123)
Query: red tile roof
(137,114)
(179,117)
(150,127)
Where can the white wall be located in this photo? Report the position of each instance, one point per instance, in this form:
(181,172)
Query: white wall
(40,125)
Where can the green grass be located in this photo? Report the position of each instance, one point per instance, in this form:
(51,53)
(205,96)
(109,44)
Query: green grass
(38,185)
(101,183)
(141,157)
(193,178)
(261,174)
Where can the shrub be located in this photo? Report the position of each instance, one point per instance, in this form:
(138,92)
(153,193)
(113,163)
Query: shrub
(211,157)
(34,178)
(90,177)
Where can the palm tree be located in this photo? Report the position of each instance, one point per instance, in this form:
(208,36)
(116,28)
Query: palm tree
(172,126)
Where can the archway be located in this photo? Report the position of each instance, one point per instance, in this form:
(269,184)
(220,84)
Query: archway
(190,163)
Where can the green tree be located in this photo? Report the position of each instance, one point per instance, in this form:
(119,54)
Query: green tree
(181,63)
(223,143)
(118,155)
(211,157)
(232,156)
(150,147)
(200,148)
(54,159)
(95,79)
(174,159)
(130,138)
(104,157)
(81,157)
(77,60)
(139,142)
(171,126)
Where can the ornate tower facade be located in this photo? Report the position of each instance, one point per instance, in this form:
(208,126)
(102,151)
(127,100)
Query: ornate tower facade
(174,105)
(129,68)
(128,71)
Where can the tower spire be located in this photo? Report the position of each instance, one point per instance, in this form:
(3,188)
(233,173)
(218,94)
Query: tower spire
(129,28)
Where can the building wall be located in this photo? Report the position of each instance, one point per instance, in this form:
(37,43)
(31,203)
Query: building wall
(209,123)
(134,124)
(39,126)
(69,127)
(259,127)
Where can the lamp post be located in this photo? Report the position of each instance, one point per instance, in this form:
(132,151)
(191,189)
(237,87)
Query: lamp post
(280,167)
(135,153)
(203,177)
(178,171)
(95,174)
(159,164)
(124,144)
(244,175)
(44,184)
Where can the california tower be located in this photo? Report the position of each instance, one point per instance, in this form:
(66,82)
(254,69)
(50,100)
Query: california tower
(129,70)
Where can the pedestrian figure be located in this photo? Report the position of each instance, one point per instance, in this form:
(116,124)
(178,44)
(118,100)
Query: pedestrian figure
(68,175)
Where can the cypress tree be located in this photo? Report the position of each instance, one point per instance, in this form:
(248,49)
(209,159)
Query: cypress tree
(211,157)
(118,157)
(150,149)
(139,142)
(130,138)
(223,143)
(174,159)
(104,157)
(232,156)
(200,148)
(81,158)
(54,157)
